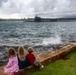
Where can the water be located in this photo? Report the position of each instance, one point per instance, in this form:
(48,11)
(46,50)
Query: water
(40,35)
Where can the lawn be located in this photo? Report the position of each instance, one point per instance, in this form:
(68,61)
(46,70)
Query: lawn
(59,67)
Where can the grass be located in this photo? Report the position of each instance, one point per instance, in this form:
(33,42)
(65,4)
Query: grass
(59,67)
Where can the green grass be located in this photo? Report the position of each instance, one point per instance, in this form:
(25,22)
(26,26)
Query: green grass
(59,67)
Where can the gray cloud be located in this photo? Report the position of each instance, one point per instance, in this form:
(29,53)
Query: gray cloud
(1,1)
(44,8)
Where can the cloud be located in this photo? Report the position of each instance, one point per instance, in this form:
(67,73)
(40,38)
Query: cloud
(1,1)
(29,8)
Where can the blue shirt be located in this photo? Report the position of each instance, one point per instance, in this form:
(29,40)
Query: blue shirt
(23,63)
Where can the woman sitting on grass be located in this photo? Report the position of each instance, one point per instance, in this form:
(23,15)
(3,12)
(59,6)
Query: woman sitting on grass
(32,59)
(22,61)
(12,65)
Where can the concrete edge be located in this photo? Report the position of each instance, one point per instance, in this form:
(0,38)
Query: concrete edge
(55,56)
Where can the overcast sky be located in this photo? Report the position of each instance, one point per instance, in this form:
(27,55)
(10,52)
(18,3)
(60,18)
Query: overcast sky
(43,8)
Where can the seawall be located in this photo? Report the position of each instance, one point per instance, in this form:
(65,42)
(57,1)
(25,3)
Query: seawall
(47,57)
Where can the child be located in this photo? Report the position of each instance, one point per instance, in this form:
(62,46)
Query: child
(12,65)
(22,61)
(32,59)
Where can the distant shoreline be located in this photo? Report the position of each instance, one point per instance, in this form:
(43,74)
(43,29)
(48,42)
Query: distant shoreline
(42,20)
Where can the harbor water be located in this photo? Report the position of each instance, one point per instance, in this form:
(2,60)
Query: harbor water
(42,36)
